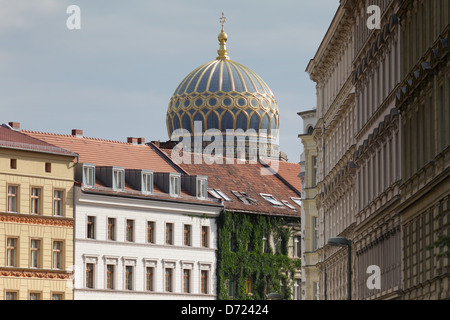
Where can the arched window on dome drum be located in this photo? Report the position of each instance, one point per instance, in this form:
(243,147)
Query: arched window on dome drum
(227,121)
(186,122)
(254,122)
(241,121)
(199,117)
(212,121)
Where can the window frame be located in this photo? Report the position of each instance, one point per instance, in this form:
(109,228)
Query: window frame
(147,175)
(90,226)
(59,255)
(61,200)
(14,197)
(35,253)
(205,236)
(111,229)
(130,230)
(151,232)
(202,187)
(175,188)
(271,199)
(14,250)
(88,174)
(187,236)
(169,235)
(118,179)
(36,198)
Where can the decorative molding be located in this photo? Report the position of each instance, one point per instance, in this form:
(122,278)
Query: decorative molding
(41,274)
(33,219)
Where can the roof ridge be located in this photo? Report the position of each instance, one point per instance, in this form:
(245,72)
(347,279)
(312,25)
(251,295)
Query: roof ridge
(72,136)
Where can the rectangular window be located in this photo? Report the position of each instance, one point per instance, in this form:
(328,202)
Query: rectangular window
(205,236)
(147,182)
(151,232)
(168,279)
(11,252)
(175,186)
(271,200)
(13,164)
(90,227)
(130,230)
(57,296)
(149,277)
(186,281)
(35,296)
(129,277)
(169,233)
(118,182)
(111,229)
(249,286)
(35,253)
(316,233)
(57,254)
(90,275)
(10,295)
(58,202)
(88,176)
(35,200)
(13,192)
(187,234)
(48,167)
(314,172)
(204,283)
(201,188)
(298,246)
(110,270)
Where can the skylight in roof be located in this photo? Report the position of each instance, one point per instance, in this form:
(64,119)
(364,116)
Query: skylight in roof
(287,204)
(223,195)
(271,200)
(218,194)
(244,197)
(297,201)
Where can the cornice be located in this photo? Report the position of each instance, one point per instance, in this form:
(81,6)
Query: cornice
(32,273)
(31,219)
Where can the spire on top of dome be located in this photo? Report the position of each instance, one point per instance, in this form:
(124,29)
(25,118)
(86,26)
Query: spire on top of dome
(222,41)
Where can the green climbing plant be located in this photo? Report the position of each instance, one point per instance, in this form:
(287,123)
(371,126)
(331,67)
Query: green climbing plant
(246,260)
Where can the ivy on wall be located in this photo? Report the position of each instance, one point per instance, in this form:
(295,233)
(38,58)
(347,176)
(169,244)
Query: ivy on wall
(248,261)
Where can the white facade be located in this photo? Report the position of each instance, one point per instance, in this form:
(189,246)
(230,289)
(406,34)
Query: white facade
(101,262)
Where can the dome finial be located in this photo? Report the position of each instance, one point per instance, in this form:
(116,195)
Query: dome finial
(222,40)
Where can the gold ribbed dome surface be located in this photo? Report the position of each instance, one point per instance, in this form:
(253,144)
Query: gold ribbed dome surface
(223,94)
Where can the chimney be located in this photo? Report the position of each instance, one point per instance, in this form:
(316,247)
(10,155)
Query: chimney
(141,140)
(132,140)
(77,133)
(14,125)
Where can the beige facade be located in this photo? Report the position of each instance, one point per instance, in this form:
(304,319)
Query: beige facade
(310,216)
(424,103)
(36,224)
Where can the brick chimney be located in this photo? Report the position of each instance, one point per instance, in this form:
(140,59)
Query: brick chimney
(15,125)
(77,133)
(141,140)
(132,140)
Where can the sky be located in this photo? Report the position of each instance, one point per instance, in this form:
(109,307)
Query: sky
(113,77)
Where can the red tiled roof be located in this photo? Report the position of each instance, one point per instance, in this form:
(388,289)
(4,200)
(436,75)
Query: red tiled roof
(17,140)
(248,178)
(107,152)
(290,171)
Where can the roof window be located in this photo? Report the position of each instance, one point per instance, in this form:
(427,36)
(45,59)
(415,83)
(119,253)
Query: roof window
(269,198)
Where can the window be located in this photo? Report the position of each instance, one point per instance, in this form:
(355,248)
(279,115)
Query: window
(90,227)
(314,173)
(147,182)
(175,186)
(58,202)
(223,195)
(297,246)
(130,230)
(287,204)
(129,277)
(297,201)
(205,236)
(201,188)
(187,234)
(149,277)
(204,283)
(12,198)
(13,164)
(249,286)
(90,275)
(10,295)
(118,179)
(231,288)
(297,286)
(11,252)
(316,233)
(316,290)
(244,197)
(168,279)
(48,167)
(35,296)
(57,254)
(111,229)
(186,281)
(110,271)
(35,200)
(169,233)
(151,232)
(35,253)
(88,176)
(271,200)
(57,296)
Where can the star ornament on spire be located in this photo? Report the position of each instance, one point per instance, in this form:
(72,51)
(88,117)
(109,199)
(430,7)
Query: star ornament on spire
(223,19)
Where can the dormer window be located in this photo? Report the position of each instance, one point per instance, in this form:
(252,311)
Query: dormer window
(118,179)
(147,182)
(269,198)
(88,176)
(175,185)
(202,184)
